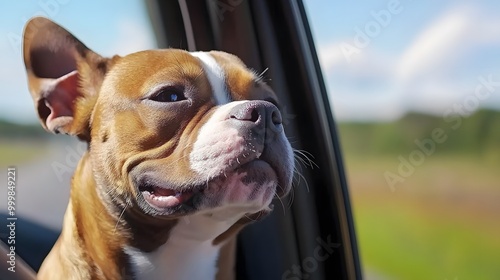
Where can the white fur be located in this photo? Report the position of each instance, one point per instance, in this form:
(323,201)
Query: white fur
(207,143)
(188,253)
(216,77)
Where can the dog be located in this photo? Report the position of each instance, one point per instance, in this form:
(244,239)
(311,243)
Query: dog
(184,149)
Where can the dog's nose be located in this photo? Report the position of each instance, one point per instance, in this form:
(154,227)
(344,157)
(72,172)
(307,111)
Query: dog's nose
(261,116)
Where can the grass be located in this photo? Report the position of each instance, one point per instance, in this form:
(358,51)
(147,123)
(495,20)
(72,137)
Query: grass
(13,153)
(443,222)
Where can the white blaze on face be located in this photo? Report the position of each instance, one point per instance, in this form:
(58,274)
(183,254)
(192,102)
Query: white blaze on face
(206,145)
(216,144)
(215,75)
(220,147)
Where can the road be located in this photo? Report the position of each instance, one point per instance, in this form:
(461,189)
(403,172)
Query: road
(43,185)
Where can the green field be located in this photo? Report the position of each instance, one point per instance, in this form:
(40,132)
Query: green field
(13,153)
(20,143)
(443,222)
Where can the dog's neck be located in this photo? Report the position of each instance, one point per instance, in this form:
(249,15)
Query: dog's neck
(89,231)
(189,253)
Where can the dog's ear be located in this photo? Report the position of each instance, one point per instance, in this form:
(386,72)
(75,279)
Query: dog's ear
(64,77)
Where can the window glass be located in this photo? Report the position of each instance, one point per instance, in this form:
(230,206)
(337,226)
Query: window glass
(414,88)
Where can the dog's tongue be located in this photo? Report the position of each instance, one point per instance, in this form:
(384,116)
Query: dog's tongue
(164,198)
(163,192)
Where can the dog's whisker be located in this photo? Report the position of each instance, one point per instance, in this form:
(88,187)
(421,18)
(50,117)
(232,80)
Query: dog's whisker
(207,181)
(281,202)
(301,160)
(305,155)
(305,181)
(260,77)
(187,146)
(292,196)
(296,179)
(304,152)
(298,166)
(121,214)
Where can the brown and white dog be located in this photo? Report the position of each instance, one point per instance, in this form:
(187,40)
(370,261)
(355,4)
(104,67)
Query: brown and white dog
(184,149)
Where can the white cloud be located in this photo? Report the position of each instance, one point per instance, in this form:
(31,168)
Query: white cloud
(430,74)
(427,69)
(437,43)
(330,56)
(360,107)
(446,41)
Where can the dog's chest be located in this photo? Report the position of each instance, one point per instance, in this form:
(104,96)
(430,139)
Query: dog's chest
(188,254)
(178,259)
(175,260)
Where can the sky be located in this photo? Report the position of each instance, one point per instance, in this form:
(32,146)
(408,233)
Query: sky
(380,58)
(107,27)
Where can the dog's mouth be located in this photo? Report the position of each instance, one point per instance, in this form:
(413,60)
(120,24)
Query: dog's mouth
(161,197)
(166,198)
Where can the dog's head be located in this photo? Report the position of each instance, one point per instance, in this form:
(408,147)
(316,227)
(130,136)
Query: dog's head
(170,133)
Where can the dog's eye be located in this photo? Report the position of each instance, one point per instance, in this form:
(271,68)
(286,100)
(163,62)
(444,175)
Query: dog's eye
(169,94)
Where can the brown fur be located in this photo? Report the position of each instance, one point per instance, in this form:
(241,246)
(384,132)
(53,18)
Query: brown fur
(89,240)
(123,134)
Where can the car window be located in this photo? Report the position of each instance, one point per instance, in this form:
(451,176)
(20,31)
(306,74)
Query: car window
(302,237)
(414,91)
